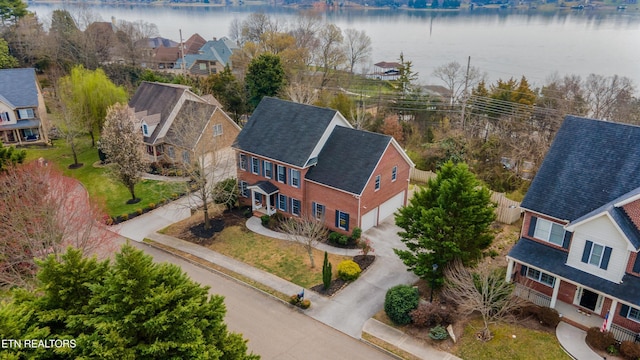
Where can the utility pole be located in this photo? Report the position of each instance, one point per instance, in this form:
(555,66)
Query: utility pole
(464,93)
(183,65)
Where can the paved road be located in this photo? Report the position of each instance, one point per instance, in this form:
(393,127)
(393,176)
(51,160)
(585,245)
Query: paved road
(274,330)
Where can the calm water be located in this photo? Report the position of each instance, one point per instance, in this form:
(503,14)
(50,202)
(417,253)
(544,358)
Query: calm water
(502,44)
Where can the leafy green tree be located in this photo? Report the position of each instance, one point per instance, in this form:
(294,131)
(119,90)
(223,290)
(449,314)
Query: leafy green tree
(132,308)
(7,61)
(88,94)
(10,156)
(230,92)
(226,193)
(12,10)
(265,77)
(449,219)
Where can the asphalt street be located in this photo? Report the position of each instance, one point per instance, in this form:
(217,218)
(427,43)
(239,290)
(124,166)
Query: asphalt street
(274,329)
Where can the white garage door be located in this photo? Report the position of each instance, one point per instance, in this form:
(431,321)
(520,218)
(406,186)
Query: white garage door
(390,206)
(370,219)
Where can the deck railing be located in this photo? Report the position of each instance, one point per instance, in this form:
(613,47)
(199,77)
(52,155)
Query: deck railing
(532,295)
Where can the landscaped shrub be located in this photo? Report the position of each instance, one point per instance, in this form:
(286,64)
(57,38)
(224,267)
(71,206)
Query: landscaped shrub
(305,304)
(399,302)
(124,217)
(365,246)
(298,301)
(139,211)
(599,340)
(348,270)
(549,316)
(265,220)
(630,350)
(355,235)
(326,272)
(152,206)
(438,332)
(338,239)
(429,314)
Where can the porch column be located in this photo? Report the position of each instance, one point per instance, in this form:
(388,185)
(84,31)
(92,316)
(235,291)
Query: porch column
(612,313)
(510,264)
(554,295)
(268,204)
(253,200)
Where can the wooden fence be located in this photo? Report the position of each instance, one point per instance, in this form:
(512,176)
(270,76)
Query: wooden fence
(507,211)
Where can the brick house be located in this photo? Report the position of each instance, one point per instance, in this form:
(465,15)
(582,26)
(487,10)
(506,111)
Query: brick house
(295,159)
(23,115)
(178,125)
(579,242)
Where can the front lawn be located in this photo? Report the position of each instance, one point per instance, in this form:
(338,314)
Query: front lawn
(510,341)
(96,180)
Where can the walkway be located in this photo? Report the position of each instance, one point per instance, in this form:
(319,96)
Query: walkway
(351,309)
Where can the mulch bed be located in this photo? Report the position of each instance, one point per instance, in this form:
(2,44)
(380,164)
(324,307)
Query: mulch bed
(196,233)
(364,261)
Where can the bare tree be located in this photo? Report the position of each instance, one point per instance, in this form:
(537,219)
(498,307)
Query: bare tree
(255,25)
(121,142)
(44,212)
(455,76)
(305,30)
(330,54)
(235,31)
(307,231)
(358,115)
(202,153)
(605,94)
(483,290)
(357,47)
(130,34)
(302,92)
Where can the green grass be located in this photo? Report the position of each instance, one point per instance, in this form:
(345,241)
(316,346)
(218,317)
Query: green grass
(100,185)
(528,344)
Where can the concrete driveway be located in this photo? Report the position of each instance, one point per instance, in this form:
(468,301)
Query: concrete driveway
(354,305)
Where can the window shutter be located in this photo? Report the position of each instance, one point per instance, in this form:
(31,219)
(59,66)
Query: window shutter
(337,219)
(313,209)
(532,226)
(264,170)
(636,264)
(587,251)
(567,239)
(605,258)
(347,222)
(624,310)
(523,270)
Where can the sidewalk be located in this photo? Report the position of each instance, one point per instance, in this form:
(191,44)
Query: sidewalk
(573,342)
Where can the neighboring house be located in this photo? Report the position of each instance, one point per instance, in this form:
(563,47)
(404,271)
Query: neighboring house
(210,59)
(296,159)
(177,124)
(578,247)
(23,115)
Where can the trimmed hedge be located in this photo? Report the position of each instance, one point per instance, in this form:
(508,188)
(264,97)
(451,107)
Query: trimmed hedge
(348,270)
(399,302)
(599,340)
(630,350)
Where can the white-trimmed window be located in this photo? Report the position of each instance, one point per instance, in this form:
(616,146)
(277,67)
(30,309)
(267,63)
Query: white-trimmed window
(295,178)
(243,189)
(217,129)
(596,254)
(186,157)
(549,231)
(26,114)
(145,130)
(394,173)
(630,312)
(171,152)
(295,207)
(255,165)
(267,169)
(541,277)
(342,220)
(377,186)
(4,117)
(318,211)
(282,174)
(243,162)
(282,202)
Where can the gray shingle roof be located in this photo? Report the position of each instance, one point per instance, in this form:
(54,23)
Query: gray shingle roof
(348,159)
(156,98)
(553,260)
(590,163)
(18,87)
(189,124)
(284,131)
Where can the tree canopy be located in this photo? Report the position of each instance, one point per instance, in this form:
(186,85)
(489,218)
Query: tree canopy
(131,308)
(449,219)
(7,61)
(12,10)
(88,94)
(265,77)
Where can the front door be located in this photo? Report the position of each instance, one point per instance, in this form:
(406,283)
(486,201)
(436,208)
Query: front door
(589,299)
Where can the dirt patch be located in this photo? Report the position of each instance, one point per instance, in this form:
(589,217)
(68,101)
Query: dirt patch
(192,229)
(364,261)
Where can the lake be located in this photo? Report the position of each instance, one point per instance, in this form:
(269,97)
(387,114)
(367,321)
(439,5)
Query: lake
(502,43)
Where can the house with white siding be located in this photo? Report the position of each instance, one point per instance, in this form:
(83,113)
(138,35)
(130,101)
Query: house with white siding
(580,238)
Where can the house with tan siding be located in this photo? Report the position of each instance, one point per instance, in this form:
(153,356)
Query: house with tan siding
(23,114)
